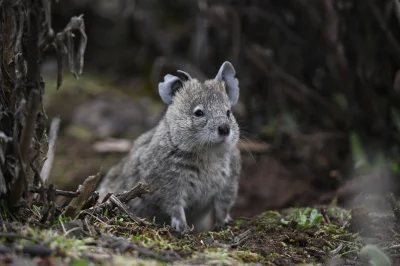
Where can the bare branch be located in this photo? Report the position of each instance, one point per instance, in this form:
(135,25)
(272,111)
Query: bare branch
(55,124)
(137,191)
(33,109)
(381,22)
(119,200)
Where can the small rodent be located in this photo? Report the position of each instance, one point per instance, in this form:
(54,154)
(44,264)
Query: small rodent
(190,159)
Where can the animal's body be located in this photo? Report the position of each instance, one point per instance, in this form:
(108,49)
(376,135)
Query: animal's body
(190,159)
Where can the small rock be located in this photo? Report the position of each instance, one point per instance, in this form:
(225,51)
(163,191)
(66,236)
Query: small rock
(37,250)
(4,250)
(209,240)
(319,242)
(75,228)
(20,261)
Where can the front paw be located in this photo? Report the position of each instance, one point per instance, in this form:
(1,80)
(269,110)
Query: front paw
(222,222)
(180,226)
(228,219)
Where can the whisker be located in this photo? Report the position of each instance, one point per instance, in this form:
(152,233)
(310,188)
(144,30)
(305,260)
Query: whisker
(256,145)
(252,136)
(248,150)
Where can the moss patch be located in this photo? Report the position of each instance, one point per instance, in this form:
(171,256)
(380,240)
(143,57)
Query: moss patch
(263,239)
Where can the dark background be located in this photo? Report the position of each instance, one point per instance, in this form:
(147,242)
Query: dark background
(319,80)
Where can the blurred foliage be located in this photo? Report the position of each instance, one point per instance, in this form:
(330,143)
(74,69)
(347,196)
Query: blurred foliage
(316,76)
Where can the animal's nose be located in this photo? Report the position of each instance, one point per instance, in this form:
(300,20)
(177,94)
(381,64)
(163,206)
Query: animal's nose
(224,129)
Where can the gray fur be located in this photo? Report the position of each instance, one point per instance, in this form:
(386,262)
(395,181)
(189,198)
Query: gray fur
(192,170)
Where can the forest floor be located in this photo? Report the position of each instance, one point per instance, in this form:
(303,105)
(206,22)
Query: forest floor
(260,234)
(297,236)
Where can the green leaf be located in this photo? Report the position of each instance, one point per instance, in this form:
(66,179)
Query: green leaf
(302,221)
(283,221)
(315,218)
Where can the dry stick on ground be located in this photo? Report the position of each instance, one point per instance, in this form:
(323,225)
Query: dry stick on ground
(15,235)
(70,194)
(120,199)
(91,201)
(86,190)
(47,194)
(137,191)
(122,207)
(241,238)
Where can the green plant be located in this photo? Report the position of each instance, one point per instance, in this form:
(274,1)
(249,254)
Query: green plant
(304,219)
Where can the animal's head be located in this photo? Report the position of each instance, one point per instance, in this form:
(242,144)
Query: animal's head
(200,114)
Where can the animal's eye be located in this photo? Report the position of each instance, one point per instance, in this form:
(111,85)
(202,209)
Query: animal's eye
(199,113)
(228,113)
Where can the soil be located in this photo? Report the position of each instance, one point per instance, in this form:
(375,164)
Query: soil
(272,238)
(267,184)
(264,239)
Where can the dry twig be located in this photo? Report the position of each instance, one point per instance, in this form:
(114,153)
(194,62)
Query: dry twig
(86,189)
(137,191)
(241,238)
(121,206)
(119,200)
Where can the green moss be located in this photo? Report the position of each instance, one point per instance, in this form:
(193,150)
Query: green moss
(272,256)
(285,244)
(246,256)
(267,221)
(225,235)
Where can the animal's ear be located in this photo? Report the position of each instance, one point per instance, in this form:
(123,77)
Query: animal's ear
(169,87)
(227,74)
(186,75)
